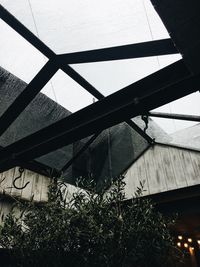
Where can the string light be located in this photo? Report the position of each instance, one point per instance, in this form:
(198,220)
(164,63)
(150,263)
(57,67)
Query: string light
(182,242)
(191,250)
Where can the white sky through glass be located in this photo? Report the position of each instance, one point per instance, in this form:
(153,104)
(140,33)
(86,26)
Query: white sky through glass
(77,25)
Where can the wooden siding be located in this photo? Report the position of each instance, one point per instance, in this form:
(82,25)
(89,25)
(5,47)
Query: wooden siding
(37,187)
(163,168)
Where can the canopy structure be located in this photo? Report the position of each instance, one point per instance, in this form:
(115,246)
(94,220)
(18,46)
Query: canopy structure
(102,138)
(105,154)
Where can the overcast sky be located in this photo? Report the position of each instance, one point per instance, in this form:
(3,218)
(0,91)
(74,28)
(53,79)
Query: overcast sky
(78,25)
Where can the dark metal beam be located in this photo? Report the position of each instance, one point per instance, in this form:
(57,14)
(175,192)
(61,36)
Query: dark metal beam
(94,137)
(181,19)
(157,89)
(146,49)
(140,131)
(183,117)
(19,105)
(40,168)
(27,95)
(81,81)
(83,148)
(35,41)
(6,16)
(183,147)
(44,75)
(45,50)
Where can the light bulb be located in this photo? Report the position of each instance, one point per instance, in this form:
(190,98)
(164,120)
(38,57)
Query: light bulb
(179,244)
(190,240)
(186,245)
(191,250)
(180,237)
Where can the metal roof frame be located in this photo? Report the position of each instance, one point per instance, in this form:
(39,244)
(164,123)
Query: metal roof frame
(126,103)
(157,89)
(138,50)
(183,117)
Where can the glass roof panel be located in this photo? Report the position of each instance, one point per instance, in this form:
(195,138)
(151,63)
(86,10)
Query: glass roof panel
(17,55)
(42,111)
(187,137)
(157,28)
(188,105)
(182,133)
(67,93)
(164,61)
(111,76)
(171,126)
(76,25)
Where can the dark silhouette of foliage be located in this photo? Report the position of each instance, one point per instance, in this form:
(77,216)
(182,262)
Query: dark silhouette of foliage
(90,230)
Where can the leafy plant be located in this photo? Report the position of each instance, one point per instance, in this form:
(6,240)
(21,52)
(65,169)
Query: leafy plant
(90,229)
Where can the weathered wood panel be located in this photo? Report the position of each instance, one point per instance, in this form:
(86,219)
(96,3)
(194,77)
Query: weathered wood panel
(162,168)
(6,179)
(166,168)
(195,157)
(28,191)
(178,167)
(36,188)
(168,172)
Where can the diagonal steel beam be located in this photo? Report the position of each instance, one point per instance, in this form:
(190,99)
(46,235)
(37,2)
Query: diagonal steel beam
(40,168)
(14,23)
(157,89)
(83,148)
(81,81)
(12,113)
(43,48)
(94,137)
(183,117)
(181,19)
(6,16)
(27,95)
(135,127)
(145,49)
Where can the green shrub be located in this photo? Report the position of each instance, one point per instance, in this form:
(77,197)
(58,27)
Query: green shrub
(90,230)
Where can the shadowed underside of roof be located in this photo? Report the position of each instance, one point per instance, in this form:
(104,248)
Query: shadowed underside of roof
(108,156)
(114,149)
